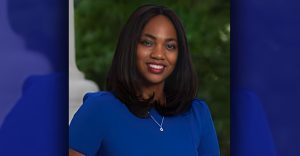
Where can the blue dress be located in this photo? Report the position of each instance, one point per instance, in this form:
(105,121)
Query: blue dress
(103,126)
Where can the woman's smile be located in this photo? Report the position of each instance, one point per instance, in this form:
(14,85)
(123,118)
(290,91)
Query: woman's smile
(155,68)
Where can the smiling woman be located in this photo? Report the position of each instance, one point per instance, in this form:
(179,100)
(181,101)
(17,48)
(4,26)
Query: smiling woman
(149,107)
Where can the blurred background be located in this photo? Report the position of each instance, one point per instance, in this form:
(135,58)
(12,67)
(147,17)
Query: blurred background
(207,24)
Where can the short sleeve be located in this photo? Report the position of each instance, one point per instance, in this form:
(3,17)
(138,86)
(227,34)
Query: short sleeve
(208,141)
(86,129)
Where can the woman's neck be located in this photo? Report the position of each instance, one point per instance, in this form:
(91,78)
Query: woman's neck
(158,90)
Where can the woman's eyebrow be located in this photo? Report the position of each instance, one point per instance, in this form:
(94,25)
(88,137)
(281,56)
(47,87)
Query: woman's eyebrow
(150,36)
(154,38)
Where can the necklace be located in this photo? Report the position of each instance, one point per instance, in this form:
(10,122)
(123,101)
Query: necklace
(161,124)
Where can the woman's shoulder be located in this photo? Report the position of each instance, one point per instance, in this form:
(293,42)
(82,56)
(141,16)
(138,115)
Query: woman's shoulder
(100,98)
(96,96)
(199,106)
(99,102)
(97,106)
(200,110)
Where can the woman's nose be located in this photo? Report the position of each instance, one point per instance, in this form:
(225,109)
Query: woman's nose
(158,53)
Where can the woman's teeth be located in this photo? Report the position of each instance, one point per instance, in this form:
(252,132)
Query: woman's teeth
(155,66)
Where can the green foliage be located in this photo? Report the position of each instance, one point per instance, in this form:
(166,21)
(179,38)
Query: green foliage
(207,22)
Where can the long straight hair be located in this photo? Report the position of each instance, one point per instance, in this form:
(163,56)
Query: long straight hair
(123,79)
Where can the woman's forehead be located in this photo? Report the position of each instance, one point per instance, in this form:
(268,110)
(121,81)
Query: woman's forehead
(160,27)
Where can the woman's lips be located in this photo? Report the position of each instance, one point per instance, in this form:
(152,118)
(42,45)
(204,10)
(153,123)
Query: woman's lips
(155,68)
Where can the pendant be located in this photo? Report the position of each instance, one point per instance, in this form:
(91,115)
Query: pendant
(161,129)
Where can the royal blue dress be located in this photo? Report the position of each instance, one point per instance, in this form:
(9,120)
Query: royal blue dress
(103,126)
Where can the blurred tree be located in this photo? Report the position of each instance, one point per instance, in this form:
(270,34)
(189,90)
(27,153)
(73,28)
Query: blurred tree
(207,24)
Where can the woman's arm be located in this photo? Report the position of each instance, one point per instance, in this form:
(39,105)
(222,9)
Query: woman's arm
(208,145)
(209,141)
(87,128)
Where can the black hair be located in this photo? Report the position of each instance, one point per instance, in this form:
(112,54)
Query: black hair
(124,82)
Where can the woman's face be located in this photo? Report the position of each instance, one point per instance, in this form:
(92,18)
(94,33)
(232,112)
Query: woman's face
(157,50)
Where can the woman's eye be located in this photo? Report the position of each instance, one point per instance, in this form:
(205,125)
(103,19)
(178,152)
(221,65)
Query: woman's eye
(170,46)
(147,43)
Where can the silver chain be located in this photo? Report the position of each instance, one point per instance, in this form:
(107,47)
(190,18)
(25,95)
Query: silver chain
(161,124)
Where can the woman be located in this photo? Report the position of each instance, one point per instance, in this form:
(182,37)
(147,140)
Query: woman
(149,107)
